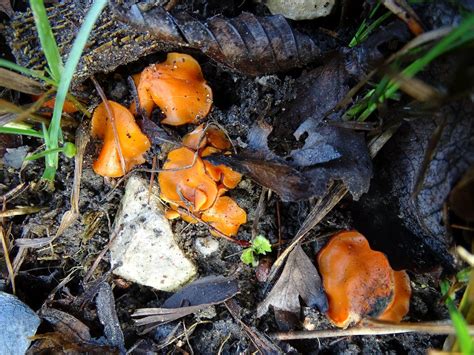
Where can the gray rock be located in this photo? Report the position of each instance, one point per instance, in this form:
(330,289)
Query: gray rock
(18,322)
(300,9)
(144,250)
(14,156)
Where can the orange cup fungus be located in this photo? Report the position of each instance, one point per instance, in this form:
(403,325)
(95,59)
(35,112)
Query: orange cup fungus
(133,143)
(359,281)
(177,87)
(68,106)
(200,186)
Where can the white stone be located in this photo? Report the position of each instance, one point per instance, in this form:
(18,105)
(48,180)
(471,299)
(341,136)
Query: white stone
(300,9)
(144,249)
(206,246)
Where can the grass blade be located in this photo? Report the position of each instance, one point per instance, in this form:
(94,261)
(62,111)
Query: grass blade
(22,131)
(48,42)
(65,82)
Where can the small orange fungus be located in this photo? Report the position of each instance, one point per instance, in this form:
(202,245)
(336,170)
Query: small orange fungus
(133,142)
(225,215)
(178,87)
(230,178)
(189,187)
(68,106)
(359,281)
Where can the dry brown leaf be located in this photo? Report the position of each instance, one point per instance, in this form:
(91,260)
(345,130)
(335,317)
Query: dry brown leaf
(298,279)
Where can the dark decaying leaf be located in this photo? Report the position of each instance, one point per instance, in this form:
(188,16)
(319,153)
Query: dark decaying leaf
(298,279)
(202,293)
(107,314)
(70,335)
(413,226)
(461,199)
(329,154)
(6,7)
(250,44)
(66,324)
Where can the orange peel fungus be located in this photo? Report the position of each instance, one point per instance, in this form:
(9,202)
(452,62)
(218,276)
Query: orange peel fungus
(359,281)
(177,87)
(199,187)
(132,141)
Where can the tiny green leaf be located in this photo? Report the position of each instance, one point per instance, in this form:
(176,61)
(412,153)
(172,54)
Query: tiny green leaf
(248,257)
(261,245)
(69,149)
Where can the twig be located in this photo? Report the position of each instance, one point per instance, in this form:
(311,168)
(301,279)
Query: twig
(152,177)
(8,262)
(434,328)
(69,217)
(100,256)
(111,117)
(259,211)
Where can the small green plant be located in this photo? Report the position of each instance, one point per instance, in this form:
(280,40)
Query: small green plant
(59,76)
(259,246)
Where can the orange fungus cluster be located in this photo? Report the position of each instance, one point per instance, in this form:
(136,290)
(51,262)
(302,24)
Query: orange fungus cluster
(359,282)
(198,186)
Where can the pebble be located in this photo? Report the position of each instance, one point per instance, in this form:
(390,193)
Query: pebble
(300,9)
(145,250)
(18,322)
(206,246)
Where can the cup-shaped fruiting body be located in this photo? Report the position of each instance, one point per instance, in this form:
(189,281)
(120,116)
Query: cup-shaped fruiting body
(400,305)
(225,215)
(358,281)
(133,143)
(220,173)
(186,184)
(178,88)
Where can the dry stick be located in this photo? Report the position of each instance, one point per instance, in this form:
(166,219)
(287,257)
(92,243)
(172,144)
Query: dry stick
(152,178)
(17,190)
(19,211)
(100,256)
(111,117)
(430,153)
(434,328)
(8,262)
(277,206)
(69,217)
(259,211)
(334,194)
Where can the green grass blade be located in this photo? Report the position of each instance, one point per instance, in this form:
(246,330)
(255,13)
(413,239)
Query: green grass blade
(460,325)
(65,82)
(458,37)
(34,73)
(22,131)
(48,42)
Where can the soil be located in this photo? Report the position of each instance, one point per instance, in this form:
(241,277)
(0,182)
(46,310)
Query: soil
(239,102)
